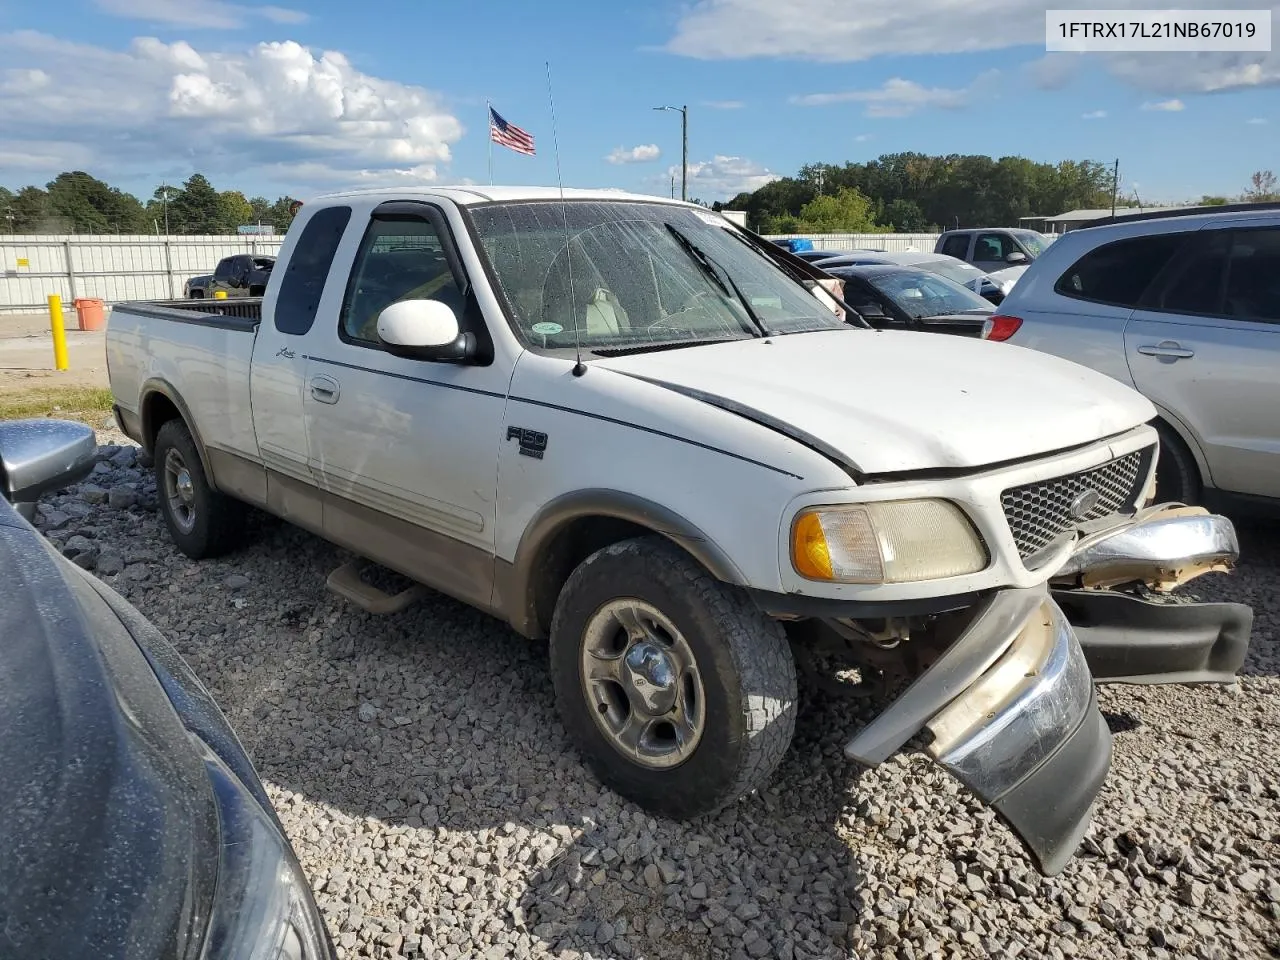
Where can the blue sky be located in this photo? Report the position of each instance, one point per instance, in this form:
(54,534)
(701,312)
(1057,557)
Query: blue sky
(315,95)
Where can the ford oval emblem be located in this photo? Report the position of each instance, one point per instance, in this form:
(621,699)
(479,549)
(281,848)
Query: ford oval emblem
(1084,504)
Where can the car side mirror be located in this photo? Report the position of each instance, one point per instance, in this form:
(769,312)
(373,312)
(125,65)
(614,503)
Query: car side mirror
(37,456)
(1017,256)
(425,330)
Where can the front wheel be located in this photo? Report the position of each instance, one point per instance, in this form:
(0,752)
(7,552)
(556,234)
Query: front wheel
(679,692)
(1177,476)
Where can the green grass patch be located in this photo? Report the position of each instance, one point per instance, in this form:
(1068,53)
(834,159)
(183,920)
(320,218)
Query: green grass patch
(89,404)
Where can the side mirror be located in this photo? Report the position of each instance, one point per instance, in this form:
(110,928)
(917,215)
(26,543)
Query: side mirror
(1017,256)
(425,330)
(37,456)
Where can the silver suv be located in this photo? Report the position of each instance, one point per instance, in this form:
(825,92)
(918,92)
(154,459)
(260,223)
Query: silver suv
(1185,308)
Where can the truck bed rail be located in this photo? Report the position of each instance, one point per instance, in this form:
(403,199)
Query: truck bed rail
(242,314)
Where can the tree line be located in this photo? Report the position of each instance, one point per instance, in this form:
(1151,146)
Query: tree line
(917,193)
(76,202)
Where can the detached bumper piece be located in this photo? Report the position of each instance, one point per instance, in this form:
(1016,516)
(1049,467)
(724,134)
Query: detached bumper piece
(1161,637)
(1127,639)
(1028,738)
(1013,715)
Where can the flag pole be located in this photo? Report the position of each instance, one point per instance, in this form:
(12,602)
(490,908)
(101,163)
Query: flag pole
(488,121)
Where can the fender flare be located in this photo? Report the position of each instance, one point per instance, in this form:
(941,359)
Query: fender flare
(553,517)
(158,385)
(1188,437)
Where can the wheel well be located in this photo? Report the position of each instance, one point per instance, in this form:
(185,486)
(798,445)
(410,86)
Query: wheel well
(157,410)
(564,550)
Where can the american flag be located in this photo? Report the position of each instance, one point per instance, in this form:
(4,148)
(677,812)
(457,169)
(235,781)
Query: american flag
(509,135)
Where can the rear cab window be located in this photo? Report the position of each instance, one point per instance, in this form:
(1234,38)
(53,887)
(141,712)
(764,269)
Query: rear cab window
(308,269)
(1118,273)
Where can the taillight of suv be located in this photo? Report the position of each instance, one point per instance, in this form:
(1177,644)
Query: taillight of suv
(1000,327)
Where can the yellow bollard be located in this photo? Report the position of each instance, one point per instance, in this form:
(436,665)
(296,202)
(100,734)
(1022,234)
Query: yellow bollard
(59,333)
(219,294)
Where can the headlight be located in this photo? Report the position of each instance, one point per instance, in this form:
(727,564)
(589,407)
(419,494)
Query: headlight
(897,541)
(263,909)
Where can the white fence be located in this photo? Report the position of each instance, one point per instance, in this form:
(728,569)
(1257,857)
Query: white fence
(889,242)
(110,268)
(116,268)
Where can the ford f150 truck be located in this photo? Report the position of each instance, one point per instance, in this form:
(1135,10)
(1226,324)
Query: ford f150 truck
(670,448)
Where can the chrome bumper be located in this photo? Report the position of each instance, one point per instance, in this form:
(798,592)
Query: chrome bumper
(1011,709)
(1162,546)
(1010,705)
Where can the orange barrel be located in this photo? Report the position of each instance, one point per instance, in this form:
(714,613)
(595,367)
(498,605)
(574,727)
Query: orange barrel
(90,313)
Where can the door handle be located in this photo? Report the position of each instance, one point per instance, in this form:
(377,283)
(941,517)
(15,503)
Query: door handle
(325,389)
(1166,349)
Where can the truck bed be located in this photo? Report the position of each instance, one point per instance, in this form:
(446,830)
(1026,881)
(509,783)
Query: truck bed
(203,347)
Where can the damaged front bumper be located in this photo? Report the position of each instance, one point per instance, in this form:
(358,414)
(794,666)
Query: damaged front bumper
(1010,705)
(1011,708)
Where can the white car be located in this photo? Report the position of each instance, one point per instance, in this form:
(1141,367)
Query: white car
(633,429)
(1185,309)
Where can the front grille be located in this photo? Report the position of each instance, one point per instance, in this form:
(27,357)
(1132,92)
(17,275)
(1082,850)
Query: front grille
(1039,513)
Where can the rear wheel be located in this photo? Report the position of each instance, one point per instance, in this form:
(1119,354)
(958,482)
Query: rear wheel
(1177,475)
(679,692)
(202,522)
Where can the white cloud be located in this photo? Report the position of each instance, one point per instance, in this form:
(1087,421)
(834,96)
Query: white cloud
(1166,106)
(902,98)
(1256,121)
(723,177)
(639,154)
(841,31)
(217,14)
(1093,115)
(863,138)
(166,106)
(724,104)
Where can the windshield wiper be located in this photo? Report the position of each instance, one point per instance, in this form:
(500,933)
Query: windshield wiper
(698,256)
(852,317)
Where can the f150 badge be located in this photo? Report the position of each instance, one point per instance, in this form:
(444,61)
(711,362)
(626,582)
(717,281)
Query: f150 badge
(533,443)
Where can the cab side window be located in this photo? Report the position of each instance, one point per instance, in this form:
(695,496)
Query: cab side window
(399,259)
(956,245)
(308,269)
(992,246)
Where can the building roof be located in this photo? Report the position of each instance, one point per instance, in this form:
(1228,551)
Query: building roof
(1079,216)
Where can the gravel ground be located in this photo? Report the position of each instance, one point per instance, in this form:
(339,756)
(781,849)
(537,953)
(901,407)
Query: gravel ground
(419,766)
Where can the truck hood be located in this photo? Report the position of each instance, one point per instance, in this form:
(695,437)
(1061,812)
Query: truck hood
(887,401)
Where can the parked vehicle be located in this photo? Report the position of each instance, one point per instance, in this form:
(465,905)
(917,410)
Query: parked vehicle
(991,287)
(991,249)
(135,825)
(1185,308)
(636,430)
(238,276)
(904,298)
(813,256)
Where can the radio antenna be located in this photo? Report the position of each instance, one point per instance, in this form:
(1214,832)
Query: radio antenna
(579,368)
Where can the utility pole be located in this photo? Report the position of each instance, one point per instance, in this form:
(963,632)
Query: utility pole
(684,148)
(1115,186)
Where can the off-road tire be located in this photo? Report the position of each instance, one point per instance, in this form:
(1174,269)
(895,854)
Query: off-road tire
(219,519)
(744,661)
(1177,475)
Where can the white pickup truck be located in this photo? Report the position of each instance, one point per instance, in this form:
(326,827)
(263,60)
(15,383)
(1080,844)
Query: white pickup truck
(632,428)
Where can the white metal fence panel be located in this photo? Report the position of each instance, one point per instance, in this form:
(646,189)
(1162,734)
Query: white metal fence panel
(111,268)
(890,242)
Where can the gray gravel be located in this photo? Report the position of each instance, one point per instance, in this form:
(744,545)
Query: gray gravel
(419,767)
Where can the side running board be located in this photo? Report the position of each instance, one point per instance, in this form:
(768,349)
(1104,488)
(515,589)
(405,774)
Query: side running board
(346,582)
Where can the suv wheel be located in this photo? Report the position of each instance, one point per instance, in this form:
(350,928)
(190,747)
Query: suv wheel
(1177,476)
